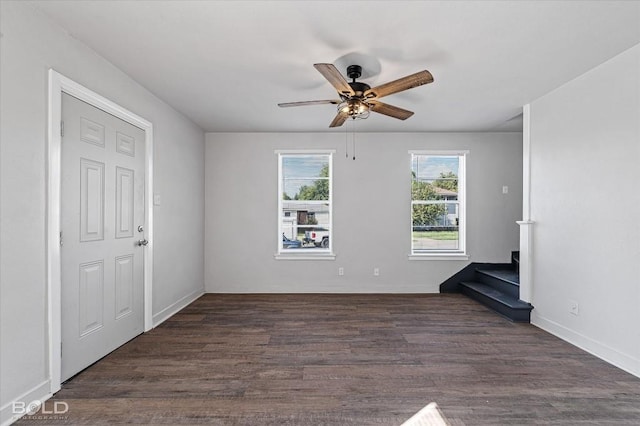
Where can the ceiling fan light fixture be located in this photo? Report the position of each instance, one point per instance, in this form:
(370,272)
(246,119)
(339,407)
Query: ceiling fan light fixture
(354,108)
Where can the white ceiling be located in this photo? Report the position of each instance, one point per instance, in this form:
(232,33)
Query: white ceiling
(226,64)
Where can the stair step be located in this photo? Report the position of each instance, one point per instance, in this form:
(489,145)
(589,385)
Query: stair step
(512,277)
(496,295)
(504,280)
(504,304)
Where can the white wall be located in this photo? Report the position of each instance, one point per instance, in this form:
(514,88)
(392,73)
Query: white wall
(30,44)
(585,201)
(371,211)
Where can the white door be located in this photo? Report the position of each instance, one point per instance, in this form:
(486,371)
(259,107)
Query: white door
(102,238)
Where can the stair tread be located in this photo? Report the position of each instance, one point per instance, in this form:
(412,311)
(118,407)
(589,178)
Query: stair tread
(497,295)
(512,277)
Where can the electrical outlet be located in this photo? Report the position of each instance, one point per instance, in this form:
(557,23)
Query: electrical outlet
(341,271)
(376,272)
(574,308)
(505,189)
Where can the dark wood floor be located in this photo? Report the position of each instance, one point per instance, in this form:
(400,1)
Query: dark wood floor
(347,359)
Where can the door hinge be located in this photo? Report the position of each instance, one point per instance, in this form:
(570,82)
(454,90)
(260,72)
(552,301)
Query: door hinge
(62,129)
(61,242)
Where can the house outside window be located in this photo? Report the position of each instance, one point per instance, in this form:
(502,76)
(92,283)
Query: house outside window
(438,220)
(305,221)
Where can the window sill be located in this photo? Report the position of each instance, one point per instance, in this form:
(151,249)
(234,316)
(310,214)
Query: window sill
(439,256)
(305,256)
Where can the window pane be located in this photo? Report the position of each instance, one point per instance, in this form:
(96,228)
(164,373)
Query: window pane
(429,191)
(305,166)
(305,216)
(441,167)
(435,202)
(310,214)
(435,227)
(434,178)
(440,215)
(434,240)
(307,223)
(305,189)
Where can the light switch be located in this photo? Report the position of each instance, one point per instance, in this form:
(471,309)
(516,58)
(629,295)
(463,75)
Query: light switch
(156,199)
(505,189)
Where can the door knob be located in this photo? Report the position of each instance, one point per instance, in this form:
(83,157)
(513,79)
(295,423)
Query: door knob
(143,242)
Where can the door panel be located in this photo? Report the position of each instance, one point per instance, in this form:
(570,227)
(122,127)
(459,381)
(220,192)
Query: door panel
(124,285)
(91,200)
(124,202)
(102,207)
(91,132)
(91,289)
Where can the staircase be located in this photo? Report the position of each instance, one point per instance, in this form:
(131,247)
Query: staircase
(496,286)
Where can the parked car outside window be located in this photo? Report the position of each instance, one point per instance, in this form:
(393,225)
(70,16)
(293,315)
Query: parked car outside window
(288,244)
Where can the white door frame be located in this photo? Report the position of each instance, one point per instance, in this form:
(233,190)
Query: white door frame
(57,85)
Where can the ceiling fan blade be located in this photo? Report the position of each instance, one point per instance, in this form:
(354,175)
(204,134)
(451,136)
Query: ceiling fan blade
(390,110)
(339,119)
(333,76)
(304,103)
(405,83)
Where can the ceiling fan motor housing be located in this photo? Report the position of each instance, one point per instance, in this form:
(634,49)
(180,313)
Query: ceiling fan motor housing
(353,72)
(359,88)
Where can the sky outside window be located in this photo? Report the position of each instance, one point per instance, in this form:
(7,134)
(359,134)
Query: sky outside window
(426,167)
(301,170)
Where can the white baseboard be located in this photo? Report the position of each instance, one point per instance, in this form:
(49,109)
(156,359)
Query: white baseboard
(40,392)
(333,288)
(176,307)
(606,353)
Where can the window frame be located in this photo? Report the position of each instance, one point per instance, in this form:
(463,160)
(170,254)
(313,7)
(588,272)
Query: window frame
(304,253)
(439,254)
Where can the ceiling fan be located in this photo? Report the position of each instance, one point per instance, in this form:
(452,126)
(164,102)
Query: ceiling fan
(357,98)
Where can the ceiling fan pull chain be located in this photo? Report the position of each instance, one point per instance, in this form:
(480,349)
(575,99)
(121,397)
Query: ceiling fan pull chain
(346,141)
(354,140)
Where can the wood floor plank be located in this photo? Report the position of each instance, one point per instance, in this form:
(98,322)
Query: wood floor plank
(318,359)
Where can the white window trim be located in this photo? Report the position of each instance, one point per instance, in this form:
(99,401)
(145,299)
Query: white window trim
(439,256)
(310,254)
(301,256)
(461,252)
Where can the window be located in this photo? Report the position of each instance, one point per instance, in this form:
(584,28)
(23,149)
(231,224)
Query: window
(437,203)
(304,203)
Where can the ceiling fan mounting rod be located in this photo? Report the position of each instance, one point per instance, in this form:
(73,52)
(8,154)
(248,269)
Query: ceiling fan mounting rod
(359,88)
(354,71)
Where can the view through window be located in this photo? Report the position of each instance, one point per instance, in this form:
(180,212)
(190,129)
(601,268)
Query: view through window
(437,203)
(305,202)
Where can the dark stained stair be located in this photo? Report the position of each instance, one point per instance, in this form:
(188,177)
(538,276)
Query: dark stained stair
(496,286)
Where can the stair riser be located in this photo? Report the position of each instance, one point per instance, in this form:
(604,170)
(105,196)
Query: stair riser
(503,286)
(515,260)
(515,315)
